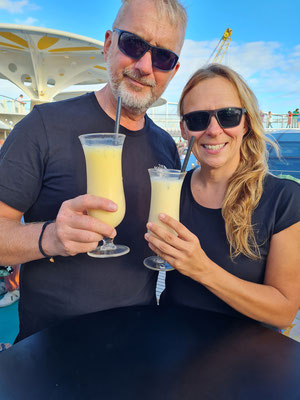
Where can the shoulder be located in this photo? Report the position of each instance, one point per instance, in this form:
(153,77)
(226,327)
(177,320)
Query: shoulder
(72,105)
(71,116)
(55,118)
(160,134)
(284,185)
(280,202)
(153,127)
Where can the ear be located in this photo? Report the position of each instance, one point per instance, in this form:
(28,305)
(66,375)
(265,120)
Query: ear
(175,70)
(107,43)
(183,129)
(245,128)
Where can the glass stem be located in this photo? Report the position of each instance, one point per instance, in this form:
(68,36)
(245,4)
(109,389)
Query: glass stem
(159,260)
(108,244)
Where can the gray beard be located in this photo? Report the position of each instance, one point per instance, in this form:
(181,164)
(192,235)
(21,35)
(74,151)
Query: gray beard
(132,102)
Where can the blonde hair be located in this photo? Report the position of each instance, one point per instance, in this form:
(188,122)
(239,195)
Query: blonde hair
(245,187)
(170,9)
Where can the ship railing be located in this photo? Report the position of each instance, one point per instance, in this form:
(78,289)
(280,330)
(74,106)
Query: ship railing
(166,116)
(281,121)
(8,105)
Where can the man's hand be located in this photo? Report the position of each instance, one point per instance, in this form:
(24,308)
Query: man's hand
(76,232)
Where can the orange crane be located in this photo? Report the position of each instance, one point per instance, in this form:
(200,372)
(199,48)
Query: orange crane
(221,48)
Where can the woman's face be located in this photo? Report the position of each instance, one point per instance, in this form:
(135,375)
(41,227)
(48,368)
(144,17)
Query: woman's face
(215,147)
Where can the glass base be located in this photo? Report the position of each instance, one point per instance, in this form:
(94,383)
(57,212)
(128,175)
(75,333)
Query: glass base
(116,251)
(157,264)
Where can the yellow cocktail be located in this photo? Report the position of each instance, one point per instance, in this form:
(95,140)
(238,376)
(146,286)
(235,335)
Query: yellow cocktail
(103,156)
(165,198)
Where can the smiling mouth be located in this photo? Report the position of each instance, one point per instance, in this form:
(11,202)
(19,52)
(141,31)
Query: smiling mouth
(135,81)
(139,81)
(214,146)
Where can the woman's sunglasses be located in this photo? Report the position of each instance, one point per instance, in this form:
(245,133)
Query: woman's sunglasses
(227,118)
(135,47)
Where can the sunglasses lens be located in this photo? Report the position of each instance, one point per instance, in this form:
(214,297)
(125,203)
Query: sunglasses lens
(131,45)
(135,47)
(197,121)
(227,118)
(163,59)
(230,117)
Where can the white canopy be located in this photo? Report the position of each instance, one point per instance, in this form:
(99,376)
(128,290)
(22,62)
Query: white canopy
(42,62)
(4,127)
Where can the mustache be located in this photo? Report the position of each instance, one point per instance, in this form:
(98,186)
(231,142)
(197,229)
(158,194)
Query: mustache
(137,76)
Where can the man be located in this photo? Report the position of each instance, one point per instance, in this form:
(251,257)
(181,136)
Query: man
(20,103)
(295,117)
(43,176)
(20,99)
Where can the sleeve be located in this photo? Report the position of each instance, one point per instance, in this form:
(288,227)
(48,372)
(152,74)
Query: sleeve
(22,160)
(288,209)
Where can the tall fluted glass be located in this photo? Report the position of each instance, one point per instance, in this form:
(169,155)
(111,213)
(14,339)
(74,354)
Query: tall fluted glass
(103,156)
(165,198)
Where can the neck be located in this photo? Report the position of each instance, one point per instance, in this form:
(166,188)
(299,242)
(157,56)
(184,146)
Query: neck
(209,187)
(214,176)
(108,103)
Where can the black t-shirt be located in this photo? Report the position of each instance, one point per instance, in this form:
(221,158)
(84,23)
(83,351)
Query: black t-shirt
(41,165)
(278,208)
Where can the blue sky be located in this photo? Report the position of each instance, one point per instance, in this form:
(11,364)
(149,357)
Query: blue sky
(265,46)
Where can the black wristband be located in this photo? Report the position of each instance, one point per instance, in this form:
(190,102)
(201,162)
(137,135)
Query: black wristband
(40,241)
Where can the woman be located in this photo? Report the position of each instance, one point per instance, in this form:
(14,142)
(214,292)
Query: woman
(236,250)
(269,120)
(289,123)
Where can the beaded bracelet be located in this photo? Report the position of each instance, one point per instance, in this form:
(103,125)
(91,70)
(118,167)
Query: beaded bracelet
(51,259)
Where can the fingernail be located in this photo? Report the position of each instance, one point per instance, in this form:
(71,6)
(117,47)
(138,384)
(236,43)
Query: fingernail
(162,216)
(147,236)
(113,207)
(149,225)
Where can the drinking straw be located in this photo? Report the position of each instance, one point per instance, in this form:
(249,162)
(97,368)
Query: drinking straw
(118,115)
(188,153)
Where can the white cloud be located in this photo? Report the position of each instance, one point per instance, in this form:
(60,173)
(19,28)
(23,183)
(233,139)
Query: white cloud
(27,21)
(269,69)
(296,52)
(13,7)
(251,58)
(17,7)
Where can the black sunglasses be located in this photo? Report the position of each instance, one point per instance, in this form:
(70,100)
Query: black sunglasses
(227,118)
(135,47)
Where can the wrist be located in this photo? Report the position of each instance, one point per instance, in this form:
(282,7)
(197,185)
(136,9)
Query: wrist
(42,242)
(207,274)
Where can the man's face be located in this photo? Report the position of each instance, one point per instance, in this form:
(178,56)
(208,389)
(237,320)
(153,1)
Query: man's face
(138,83)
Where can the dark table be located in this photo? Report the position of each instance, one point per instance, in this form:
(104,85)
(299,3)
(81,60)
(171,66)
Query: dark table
(155,353)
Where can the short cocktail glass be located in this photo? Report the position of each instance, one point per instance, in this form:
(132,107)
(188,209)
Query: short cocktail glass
(165,198)
(103,156)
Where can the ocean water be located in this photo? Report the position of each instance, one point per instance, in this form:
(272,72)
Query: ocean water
(9,323)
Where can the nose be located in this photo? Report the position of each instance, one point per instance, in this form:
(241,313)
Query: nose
(213,128)
(144,64)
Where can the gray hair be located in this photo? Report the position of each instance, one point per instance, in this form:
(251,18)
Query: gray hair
(172,9)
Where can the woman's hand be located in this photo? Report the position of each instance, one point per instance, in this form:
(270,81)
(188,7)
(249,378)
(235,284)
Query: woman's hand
(183,251)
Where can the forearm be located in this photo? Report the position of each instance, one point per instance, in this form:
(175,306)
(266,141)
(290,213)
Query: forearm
(73,231)
(19,242)
(258,301)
